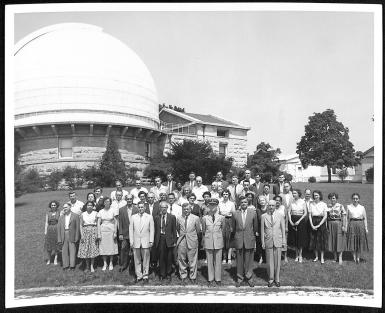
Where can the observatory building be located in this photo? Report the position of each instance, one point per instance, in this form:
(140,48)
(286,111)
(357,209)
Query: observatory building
(75,86)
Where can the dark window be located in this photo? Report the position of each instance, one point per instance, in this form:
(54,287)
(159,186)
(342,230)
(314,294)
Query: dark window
(223,149)
(221,133)
(65,147)
(147,151)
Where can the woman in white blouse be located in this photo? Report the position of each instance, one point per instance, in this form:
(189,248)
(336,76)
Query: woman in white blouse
(88,246)
(298,231)
(226,208)
(319,232)
(357,241)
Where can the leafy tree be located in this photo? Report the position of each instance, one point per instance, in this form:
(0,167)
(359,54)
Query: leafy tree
(54,179)
(264,160)
(73,177)
(112,165)
(342,174)
(369,174)
(197,156)
(326,143)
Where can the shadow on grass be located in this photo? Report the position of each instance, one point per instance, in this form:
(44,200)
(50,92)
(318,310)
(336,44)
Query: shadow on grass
(18,204)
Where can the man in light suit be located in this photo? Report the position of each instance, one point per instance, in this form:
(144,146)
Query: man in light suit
(189,229)
(213,226)
(141,234)
(244,231)
(191,181)
(165,240)
(273,239)
(68,234)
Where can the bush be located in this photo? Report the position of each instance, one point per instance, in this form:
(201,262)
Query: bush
(92,177)
(54,179)
(73,177)
(369,173)
(28,181)
(151,173)
(267,177)
(312,179)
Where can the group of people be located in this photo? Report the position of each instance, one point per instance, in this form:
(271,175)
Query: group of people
(165,228)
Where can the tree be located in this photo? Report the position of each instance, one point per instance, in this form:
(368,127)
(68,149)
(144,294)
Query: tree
(197,156)
(343,173)
(264,160)
(112,166)
(326,143)
(369,173)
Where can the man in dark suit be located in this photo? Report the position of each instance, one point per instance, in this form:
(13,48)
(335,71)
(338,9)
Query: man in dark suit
(195,208)
(68,234)
(244,230)
(258,186)
(154,210)
(220,181)
(278,187)
(170,183)
(165,240)
(125,213)
(191,181)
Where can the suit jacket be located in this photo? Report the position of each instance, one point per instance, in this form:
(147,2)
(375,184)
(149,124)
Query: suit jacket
(74,228)
(187,183)
(124,222)
(273,234)
(258,189)
(276,190)
(224,184)
(244,236)
(173,186)
(170,230)
(141,234)
(196,210)
(135,210)
(213,231)
(191,233)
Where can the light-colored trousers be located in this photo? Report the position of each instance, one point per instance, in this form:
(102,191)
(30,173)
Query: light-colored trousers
(214,264)
(68,253)
(245,259)
(273,260)
(187,258)
(142,259)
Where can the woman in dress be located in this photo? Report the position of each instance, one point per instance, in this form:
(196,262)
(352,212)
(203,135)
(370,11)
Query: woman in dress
(226,208)
(298,230)
(184,196)
(261,209)
(319,233)
(250,201)
(50,231)
(107,228)
(88,246)
(92,198)
(336,227)
(283,211)
(357,241)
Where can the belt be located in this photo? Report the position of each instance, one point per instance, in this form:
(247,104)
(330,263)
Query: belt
(163,234)
(334,219)
(227,216)
(89,225)
(67,229)
(356,219)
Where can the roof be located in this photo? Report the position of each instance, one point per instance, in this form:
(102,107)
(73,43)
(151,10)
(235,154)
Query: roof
(368,151)
(205,119)
(287,157)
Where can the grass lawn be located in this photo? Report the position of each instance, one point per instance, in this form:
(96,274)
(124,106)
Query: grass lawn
(31,270)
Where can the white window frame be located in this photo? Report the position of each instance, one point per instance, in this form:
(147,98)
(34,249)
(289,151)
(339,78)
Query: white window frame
(226,131)
(59,148)
(225,145)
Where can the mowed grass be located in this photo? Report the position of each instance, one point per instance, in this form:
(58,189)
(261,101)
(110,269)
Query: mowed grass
(31,270)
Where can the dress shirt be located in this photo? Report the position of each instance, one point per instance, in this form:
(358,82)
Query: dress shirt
(244,212)
(318,209)
(356,212)
(226,208)
(77,207)
(297,207)
(116,205)
(163,226)
(89,218)
(157,191)
(251,180)
(150,207)
(67,221)
(176,210)
(198,191)
(113,194)
(135,191)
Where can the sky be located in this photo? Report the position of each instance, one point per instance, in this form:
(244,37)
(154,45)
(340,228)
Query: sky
(266,70)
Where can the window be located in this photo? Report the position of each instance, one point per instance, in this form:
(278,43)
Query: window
(147,152)
(223,149)
(65,148)
(334,170)
(221,133)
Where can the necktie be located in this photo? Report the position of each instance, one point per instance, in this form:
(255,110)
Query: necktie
(271,216)
(185,224)
(213,218)
(163,223)
(244,217)
(169,187)
(171,209)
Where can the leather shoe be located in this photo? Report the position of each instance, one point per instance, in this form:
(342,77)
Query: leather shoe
(122,269)
(183,281)
(278,284)
(250,283)
(138,280)
(145,280)
(270,284)
(209,284)
(161,278)
(218,283)
(169,278)
(193,281)
(238,284)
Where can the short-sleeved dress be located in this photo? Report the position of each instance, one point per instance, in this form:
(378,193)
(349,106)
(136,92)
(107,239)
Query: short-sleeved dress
(50,242)
(107,245)
(356,233)
(227,209)
(298,234)
(336,239)
(88,247)
(318,237)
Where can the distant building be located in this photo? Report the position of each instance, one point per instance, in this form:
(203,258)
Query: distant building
(226,138)
(366,163)
(292,164)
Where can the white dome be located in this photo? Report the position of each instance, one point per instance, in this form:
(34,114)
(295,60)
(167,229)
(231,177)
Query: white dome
(76,73)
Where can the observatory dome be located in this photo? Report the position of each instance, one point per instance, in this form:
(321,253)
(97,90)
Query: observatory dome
(76,73)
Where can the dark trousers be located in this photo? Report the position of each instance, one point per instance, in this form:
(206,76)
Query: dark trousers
(165,257)
(154,253)
(124,253)
(245,263)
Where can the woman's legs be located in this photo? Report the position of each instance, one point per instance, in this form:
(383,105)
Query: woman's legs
(316,255)
(296,254)
(87,264)
(322,256)
(340,257)
(354,256)
(300,255)
(335,255)
(104,263)
(358,256)
(111,266)
(92,265)
(55,260)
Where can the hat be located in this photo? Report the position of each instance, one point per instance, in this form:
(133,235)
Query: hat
(213,201)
